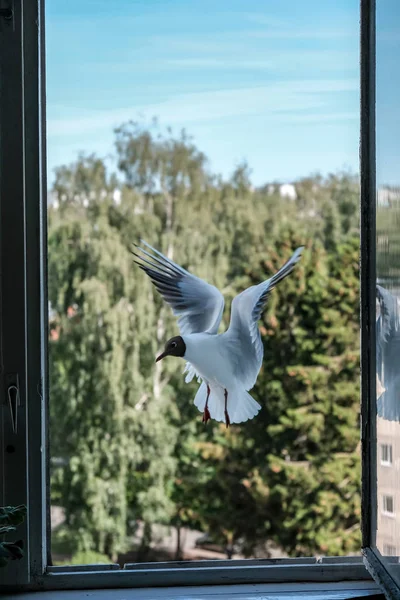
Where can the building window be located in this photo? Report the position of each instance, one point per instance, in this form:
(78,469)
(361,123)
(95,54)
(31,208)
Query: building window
(388,505)
(389,550)
(386,455)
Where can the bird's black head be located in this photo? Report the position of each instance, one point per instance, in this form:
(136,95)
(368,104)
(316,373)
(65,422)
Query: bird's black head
(174,347)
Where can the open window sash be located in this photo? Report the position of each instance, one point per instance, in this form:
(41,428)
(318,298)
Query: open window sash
(378,313)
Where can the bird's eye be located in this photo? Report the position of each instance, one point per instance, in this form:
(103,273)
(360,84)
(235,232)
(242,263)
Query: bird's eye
(173,344)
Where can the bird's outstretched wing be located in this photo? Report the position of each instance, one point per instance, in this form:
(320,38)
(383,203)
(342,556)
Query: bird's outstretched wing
(243,335)
(197,304)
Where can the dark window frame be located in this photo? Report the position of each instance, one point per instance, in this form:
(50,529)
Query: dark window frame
(23,330)
(373,558)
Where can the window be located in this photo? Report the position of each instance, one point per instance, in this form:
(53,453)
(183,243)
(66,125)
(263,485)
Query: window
(382,279)
(386,455)
(388,505)
(25,458)
(389,550)
(215,226)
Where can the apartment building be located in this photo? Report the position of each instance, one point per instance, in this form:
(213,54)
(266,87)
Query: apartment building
(388,470)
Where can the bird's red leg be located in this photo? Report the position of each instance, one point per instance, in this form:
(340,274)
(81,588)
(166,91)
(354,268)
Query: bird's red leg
(227,420)
(206,413)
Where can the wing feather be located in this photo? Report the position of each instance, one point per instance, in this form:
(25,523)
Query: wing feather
(197,304)
(243,335)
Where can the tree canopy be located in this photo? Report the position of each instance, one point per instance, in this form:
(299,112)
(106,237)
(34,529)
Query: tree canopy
(129,440)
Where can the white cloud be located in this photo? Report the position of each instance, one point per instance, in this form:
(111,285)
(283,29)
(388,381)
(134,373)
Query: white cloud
(282,62)
(322,117)
(300,34)
(279,97)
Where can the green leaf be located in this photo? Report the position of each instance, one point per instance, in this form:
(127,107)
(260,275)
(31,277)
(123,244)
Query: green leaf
(6,529)
(12,515)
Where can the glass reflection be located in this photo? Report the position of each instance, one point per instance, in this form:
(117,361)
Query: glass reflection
(388,374)
(388,349)
(388,283)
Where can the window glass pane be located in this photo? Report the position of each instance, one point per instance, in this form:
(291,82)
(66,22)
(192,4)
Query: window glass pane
(386,454)
(389,550)
(388,504)
(268,95)
(388,278)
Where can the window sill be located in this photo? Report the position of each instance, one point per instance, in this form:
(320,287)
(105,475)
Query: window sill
(282,591)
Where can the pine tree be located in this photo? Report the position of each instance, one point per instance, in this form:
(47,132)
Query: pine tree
(292,475)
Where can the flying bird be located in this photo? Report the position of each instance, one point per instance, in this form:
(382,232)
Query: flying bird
(227,364)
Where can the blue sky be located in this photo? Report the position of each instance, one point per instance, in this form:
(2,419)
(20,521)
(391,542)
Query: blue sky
(388,92)
(273,82)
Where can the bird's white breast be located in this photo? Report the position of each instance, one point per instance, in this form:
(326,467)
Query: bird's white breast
(210,358)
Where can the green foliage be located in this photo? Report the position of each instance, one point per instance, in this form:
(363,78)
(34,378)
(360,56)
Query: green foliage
(131,444)
(388,237)
(87,558)
(313,456)
(10,518)
(293,474)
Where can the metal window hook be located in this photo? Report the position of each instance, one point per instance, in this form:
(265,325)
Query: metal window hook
(13,401)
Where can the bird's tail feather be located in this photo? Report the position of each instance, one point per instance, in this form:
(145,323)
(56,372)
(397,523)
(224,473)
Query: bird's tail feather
(241,406)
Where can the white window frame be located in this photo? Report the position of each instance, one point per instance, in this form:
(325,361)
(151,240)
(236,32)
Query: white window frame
(24,471)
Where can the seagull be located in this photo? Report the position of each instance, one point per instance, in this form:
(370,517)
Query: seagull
(226,364)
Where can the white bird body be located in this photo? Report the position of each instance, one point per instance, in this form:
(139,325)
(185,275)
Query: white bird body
(207,353)
(211,359)
(228,363)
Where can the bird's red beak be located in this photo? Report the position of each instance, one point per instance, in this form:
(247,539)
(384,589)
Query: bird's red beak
(163,355)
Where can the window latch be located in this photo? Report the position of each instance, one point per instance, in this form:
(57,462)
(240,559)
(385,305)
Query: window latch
(6,12)
(13,399)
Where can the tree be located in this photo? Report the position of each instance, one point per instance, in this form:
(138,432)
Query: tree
(100,351)
(388,237)
(293,474)
(126,430)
